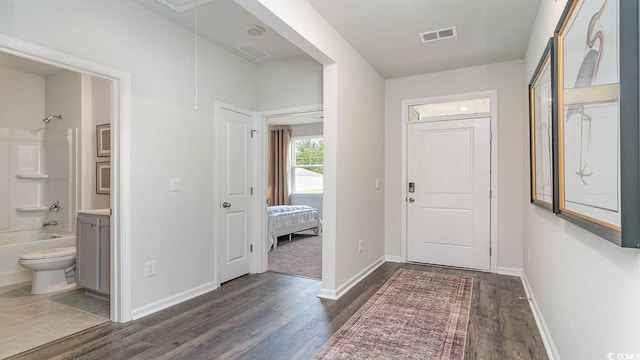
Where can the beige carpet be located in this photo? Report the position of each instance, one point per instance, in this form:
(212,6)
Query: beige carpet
(415,315)
(301,257)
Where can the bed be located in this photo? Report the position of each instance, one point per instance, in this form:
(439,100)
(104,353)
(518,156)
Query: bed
(289,219)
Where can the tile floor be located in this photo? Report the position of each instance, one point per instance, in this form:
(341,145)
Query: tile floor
(28,321)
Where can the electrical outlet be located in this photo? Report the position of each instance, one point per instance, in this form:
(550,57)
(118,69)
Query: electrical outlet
(360,243)
(529,254)
(150,268)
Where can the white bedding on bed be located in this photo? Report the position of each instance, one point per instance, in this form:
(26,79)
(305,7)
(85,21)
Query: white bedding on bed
(285,221)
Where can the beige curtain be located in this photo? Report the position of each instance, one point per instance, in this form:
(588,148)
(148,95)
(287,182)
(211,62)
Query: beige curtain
(278,190)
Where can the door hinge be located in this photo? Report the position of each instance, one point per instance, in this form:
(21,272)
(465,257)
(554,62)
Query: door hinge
(251,247)
(490,194)
(253,131)
(490,252)
(251,190)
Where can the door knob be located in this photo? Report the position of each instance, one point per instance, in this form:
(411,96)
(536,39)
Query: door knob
(412,199)
(226,205)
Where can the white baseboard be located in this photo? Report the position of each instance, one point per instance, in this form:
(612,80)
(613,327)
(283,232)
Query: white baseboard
(393,258)
(510,271)
(336,294)
(172,300)
(15,277)
(552,351)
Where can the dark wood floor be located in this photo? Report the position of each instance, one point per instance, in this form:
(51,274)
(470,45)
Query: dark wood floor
(274,316)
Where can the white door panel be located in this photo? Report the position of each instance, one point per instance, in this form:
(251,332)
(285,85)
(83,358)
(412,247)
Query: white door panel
(236,170)
(448,221)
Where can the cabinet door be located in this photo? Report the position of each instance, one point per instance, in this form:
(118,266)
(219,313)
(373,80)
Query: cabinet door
(105,255)
(87,252)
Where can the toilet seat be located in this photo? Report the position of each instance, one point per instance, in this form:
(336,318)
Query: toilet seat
(51,254)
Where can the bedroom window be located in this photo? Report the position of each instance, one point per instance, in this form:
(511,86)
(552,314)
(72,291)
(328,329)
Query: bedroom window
(307,158)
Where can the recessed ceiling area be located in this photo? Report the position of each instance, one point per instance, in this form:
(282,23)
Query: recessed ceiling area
(298,119)
(26,65)
(227,24)
(385,32)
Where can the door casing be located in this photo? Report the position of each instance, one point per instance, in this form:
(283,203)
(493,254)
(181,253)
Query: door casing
(493,95)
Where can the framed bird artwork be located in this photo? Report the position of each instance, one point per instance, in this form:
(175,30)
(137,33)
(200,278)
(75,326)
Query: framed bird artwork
(597,118)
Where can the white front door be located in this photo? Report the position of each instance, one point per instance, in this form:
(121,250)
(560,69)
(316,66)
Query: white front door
(449,210)
(236,172)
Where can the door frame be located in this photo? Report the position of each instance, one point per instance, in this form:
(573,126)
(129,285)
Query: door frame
(218,106)
(120,294)
(493,95)
(261,255)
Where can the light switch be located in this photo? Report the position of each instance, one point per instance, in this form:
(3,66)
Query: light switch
(174,184)
(378,184)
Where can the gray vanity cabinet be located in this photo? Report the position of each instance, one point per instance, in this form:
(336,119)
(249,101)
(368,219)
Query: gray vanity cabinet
(93,252)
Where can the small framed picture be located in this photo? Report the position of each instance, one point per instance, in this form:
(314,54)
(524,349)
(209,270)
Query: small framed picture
(103,135)
(542,131)
(103,177)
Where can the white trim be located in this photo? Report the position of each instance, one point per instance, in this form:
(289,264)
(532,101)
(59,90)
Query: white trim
(337,294)
(219,105)
(545,334)
(173,300)
(261,251)
(493,94)
(509,271)
(120,158)
(393,258)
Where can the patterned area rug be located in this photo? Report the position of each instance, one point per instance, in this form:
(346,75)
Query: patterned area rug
(415,315)
(301,257)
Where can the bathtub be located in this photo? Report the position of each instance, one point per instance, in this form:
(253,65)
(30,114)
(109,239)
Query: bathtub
(17,243)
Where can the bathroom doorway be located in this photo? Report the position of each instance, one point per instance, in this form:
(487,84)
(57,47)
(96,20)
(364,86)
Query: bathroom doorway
(55,168)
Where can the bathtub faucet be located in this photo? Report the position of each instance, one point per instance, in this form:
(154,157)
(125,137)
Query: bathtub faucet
(55,207)
(53,222)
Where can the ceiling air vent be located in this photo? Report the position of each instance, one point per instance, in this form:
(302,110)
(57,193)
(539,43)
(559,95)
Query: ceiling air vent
(436,35)
(183,5)
(252,51)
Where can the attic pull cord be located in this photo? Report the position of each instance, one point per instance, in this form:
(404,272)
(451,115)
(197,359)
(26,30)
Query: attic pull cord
(195,100)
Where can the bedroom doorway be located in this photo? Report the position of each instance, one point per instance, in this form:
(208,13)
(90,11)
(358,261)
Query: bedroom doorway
(294,169)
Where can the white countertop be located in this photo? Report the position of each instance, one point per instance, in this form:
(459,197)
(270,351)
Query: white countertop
(103,212)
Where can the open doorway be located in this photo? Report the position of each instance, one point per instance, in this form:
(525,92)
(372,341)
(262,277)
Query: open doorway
(295,171)
(55,159)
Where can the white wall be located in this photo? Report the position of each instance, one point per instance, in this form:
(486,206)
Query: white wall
(289,82)
(353,98)
(507,79)
(169,137)
(21,99)
(306,129)
(586,288)
(99,113)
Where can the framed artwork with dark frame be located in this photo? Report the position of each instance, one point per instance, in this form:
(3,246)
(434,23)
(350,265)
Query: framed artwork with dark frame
(598,135)
(103,140)
(103,177)
(542,128)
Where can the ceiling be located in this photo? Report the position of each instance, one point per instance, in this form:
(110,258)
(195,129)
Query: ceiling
(25,65)
(223,22)
(385,32)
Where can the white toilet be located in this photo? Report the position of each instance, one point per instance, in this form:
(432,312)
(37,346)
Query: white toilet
(49,268)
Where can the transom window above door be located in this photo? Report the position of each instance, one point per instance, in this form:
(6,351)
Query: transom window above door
(307,165)
(450,109)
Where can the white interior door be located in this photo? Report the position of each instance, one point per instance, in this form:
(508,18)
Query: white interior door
(236,171)
(449,210)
